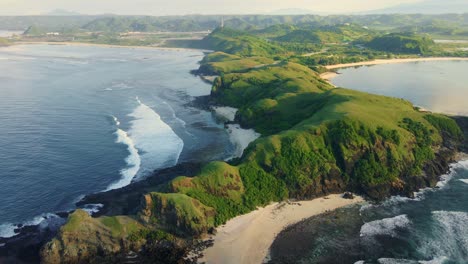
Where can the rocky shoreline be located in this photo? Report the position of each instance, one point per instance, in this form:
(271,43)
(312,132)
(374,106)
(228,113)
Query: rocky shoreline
(24,247)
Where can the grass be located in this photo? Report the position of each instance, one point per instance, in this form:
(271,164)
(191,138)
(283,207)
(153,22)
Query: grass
(183,213)
(313,136)
(220,62)
(240,43)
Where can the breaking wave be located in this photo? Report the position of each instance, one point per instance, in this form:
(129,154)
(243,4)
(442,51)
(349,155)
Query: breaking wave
(151,143)
(386,226)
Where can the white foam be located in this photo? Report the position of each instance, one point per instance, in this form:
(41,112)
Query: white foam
(396,261)
(449,237)
(241,138)
(47,220)
(420,195)
(455,225)
(133,161)
(116,121)
(7,230)
(151,143)
(159,144)
(438,260)
(108,89)
(360,262)
(228,113)
(386,226)
(92,208)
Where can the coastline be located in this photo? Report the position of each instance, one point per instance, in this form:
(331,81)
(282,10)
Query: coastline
(84,44)
(392,61)
(293,243)
(332,74)
(247,238)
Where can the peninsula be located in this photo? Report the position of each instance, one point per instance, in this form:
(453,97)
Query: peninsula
(315,140)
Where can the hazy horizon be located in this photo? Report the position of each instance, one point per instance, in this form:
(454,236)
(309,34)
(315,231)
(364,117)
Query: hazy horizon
(207,7)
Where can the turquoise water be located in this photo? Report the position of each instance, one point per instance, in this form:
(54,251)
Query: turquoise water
(79,120)
(433,228)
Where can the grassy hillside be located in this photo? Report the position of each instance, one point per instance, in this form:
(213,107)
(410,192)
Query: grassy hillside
(326,34)
(239,43)
(316,140)
(220,62)
(402,43)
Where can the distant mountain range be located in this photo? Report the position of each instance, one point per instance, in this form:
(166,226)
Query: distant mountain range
(62,12)
(426,7)
(423,7)
(294,11)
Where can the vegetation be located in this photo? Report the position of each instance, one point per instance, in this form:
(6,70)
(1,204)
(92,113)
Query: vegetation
(316,139)
(402,43)
(34,31)
(239,43)
(220,62)
(341,33)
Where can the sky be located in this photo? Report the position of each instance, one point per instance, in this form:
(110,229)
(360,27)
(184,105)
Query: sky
(183,7)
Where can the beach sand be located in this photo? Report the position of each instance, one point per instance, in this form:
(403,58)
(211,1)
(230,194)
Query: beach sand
(332,74)
(391,61)
(247,238)
(328,75)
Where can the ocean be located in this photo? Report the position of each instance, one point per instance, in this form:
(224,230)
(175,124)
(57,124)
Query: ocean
(433,227)
(76,120)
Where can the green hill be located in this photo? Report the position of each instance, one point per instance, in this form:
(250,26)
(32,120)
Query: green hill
(316,140)
(402,43)
(34,31)
(326,34)
(239,43)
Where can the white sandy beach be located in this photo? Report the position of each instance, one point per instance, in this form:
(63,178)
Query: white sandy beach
(247,238)
(331,74)
(391,61)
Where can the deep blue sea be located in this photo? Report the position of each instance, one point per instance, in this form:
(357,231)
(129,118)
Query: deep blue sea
(430,229)
(76,120)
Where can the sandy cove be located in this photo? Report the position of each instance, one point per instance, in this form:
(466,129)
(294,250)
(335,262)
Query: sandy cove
(331,74)
(248,238)
(391,61)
